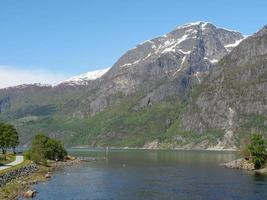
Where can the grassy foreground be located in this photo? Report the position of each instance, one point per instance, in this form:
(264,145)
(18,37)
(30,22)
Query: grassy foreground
(24,163)
(10,157)
(17,186)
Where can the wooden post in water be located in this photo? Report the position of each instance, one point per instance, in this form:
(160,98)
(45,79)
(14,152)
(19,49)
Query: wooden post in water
(107,153)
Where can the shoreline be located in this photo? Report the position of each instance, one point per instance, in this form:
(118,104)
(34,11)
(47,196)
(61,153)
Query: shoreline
(21,185)
(243,164)
(153,149)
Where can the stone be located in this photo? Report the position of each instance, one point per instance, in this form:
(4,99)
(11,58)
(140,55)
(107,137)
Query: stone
(70,157)
(17,173)
(48,176)
(30,194)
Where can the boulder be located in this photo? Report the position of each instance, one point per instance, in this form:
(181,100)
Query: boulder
(30,194)
(48,175)
(70,157)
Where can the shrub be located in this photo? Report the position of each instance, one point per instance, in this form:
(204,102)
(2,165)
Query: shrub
(257,149)
(44,148)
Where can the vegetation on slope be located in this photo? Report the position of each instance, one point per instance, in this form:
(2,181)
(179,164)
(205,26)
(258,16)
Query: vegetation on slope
(255,150)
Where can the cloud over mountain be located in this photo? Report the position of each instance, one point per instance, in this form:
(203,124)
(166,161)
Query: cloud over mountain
(12,76)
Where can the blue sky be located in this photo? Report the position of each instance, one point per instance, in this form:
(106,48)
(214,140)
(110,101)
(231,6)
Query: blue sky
(61,38)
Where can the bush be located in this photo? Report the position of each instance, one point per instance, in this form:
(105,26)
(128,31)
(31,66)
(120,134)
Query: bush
(27,155)
(257,149)
(44,148)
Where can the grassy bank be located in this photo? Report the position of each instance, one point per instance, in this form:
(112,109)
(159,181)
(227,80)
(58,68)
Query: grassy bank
(24,163)
(18,186)
(10,157)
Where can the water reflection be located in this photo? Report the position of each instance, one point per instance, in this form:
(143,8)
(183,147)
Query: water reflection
(155,175)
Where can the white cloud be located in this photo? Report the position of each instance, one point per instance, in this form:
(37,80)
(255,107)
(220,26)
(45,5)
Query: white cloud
(12,76)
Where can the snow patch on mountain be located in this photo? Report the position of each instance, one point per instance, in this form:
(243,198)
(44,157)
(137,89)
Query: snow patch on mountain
(230,46)
(211,60)
(84,78)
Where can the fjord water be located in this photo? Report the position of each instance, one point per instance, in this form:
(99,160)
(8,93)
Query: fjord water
(155,175)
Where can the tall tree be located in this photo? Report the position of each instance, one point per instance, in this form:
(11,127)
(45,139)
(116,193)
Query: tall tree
(8,137)
(14,138)
(3,138)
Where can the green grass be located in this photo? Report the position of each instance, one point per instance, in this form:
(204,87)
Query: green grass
(15,187)
(24,163)
(10,157)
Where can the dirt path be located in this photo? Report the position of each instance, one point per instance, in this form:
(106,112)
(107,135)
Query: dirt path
(19,159)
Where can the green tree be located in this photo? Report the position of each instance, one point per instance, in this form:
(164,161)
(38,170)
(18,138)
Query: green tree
(43,148)
(55,150)
(8,137)
(37,150)
(13,138)
(257,148)
(2,138)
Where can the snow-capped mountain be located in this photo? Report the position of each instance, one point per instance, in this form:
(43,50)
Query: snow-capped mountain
(83,79)
(169,65)
(182,40)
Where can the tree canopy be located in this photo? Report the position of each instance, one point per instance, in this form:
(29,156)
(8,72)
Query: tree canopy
(43,148)
(8,137)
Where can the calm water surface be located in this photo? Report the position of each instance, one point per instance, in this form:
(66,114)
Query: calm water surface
(153,175)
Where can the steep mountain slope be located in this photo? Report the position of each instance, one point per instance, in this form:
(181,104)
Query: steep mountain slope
(166,66)
(137,101)
(234,96)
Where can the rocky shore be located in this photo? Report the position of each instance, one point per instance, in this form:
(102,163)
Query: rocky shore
(244,164)
(11,175)
(47,174)
(69,162)
(240,163)
(19,182)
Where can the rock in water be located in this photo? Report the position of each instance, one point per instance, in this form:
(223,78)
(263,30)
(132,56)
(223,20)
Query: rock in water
(48,175)
(240,164)
(30,194)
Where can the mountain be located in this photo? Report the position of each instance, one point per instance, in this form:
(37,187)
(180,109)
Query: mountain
(166,66)
(233,98)
(140,101)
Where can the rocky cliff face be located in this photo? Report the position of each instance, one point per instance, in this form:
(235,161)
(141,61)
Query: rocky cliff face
(168,65)
(234,96)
